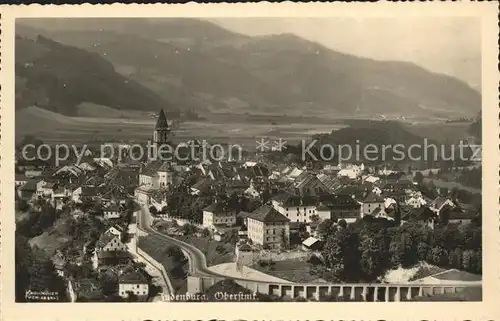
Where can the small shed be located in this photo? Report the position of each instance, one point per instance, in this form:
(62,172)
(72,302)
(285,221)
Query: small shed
(311,244)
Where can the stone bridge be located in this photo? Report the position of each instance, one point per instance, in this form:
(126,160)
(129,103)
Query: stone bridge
(371,292)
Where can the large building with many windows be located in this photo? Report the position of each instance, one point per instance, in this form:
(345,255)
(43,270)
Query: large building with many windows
(268,227)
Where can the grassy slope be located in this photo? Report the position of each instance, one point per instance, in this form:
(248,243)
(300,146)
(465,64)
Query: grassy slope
(158,251)
(295,270)
(209,248)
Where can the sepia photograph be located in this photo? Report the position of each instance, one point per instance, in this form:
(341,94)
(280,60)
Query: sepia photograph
(329,159)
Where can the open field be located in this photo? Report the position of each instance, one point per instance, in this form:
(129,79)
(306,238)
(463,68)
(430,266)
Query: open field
(56,128)
(100,123)
(295,270)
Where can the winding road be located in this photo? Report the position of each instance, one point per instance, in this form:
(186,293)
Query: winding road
(197,260)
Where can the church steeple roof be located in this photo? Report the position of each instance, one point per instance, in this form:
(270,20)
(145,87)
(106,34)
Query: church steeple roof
(161,123)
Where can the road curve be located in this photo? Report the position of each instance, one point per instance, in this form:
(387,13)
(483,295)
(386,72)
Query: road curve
(196,258)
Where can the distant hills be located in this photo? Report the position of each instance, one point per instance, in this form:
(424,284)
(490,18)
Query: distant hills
(59,78)
(198,67)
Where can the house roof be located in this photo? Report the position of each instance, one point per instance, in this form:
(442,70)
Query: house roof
(243,214)
(113,255)
(29,186)
(339,201)
(418,214)
(112,207)
(203,185)
(89,191)
(161,122)
(21,177)
(309,181)
(328,181)
(438,202)
(49,185)
(454,274)
(105,239)
(245,248)
(133,277)
(289,200)
(373,198)
(165,167)
(310,241)
(151,168)
(268,214)
(219,209)
(59,190)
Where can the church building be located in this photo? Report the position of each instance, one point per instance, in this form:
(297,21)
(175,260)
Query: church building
(161,133)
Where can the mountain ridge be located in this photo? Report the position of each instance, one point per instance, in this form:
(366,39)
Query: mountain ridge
(283,73)
(58,77)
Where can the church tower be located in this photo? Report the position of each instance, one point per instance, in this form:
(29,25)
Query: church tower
(162,130)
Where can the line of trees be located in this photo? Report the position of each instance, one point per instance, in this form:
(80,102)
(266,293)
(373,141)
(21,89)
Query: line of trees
(365,250)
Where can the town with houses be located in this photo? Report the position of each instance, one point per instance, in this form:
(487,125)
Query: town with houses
(104,230)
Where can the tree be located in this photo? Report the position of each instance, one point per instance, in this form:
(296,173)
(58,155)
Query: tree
(284,240)
(266,195)
(109,283)
(375,256)
(130,205)
(397,215)
(455,258)
(23,206)
(188,229)
(315,218)
(205,233)
(23,262)
(325,229)
(422,251)
(43,276)
(438,256)
(342,256)
(444,216)
(175,253)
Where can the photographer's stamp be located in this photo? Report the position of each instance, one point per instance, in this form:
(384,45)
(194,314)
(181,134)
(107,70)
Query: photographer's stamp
(255,161)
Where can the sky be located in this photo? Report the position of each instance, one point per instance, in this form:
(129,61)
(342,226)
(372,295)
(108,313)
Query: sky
(449,45)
